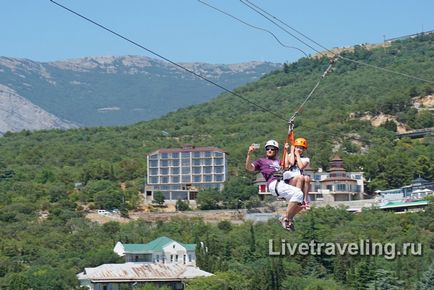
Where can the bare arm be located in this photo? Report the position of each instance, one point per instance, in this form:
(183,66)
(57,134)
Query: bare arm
(249,165)
(291,157)
(297,156)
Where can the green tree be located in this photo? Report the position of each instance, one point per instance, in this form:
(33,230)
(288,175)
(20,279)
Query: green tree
(219,281)
(209,199)
(17,281)
(158,198)
(427,280)
(182,205)
(390,125)
(385,280)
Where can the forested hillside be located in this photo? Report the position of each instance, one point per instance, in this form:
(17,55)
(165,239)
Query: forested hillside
(110,91)
(39,172)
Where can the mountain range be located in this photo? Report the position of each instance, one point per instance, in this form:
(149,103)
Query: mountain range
(106,91)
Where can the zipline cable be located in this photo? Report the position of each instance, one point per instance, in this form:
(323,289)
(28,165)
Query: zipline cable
(267,15)
(166,59)
(291,119)
(253,26)
(327,71)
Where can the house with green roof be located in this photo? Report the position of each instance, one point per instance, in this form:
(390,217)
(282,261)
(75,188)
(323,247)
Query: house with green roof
(161,262)
(161,250)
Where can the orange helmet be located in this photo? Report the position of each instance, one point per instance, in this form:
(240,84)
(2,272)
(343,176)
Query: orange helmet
(301,142)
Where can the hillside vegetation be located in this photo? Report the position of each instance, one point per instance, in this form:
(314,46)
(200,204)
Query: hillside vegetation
(39,172)
(110,91)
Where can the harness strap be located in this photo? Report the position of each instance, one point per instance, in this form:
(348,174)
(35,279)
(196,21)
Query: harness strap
(275,188)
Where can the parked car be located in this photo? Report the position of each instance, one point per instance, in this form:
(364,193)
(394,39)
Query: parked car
(103,212)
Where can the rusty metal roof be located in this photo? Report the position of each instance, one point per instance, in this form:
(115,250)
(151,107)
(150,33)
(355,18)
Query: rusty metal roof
(141,272)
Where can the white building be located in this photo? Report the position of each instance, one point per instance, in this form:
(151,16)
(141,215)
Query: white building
(180,172)
(162,250)
(162,262)
(418,189)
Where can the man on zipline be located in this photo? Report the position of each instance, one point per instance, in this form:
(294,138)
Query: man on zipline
(269,166)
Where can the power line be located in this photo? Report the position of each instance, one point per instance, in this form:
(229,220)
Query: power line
(253,26)
(268,15)
(166,59)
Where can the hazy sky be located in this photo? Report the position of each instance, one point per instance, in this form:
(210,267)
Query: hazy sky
(187,30)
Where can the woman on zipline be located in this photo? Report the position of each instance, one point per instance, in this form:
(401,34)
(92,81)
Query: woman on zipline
(295,163)
(269,166)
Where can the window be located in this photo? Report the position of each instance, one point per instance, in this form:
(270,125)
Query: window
(176,257)
(164,171)
(358,176)
(197,178)
(207,178)
(185,162)
(165,179)
(330,187)
(174,162)
(175,155)
(153,171)
(207,169)
(175,179)
(189,257)
(186,178)
(153,179)
(184,259)
(153,163)
(218,161)
(171,258)
(317,177)
(196,161)
(207,154)
(164,155)
(196,154)
(218,154)
(341,187)
(153,157)
(185,170)
(207,161)
(164,163)
(218,177)
(196,170)
(175,170)
(185,155)
(158,258)
(218,169)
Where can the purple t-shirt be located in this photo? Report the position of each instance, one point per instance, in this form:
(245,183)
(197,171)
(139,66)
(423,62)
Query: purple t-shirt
(267,167)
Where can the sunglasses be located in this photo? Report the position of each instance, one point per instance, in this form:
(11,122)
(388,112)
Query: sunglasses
(270,149)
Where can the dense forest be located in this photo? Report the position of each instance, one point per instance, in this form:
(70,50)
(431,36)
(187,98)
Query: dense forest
(48,179)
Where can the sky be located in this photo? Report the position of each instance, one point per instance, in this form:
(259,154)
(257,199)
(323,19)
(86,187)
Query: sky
(189,31)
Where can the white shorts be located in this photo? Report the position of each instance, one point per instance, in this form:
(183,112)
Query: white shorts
(287,175)
(286,191)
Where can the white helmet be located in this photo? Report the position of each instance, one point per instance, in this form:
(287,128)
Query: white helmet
(272,143)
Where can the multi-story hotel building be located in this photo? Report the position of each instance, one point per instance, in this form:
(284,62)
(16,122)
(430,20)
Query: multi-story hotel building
(180,173)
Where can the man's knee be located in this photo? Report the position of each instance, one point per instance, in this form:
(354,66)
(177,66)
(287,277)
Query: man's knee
(297,196)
